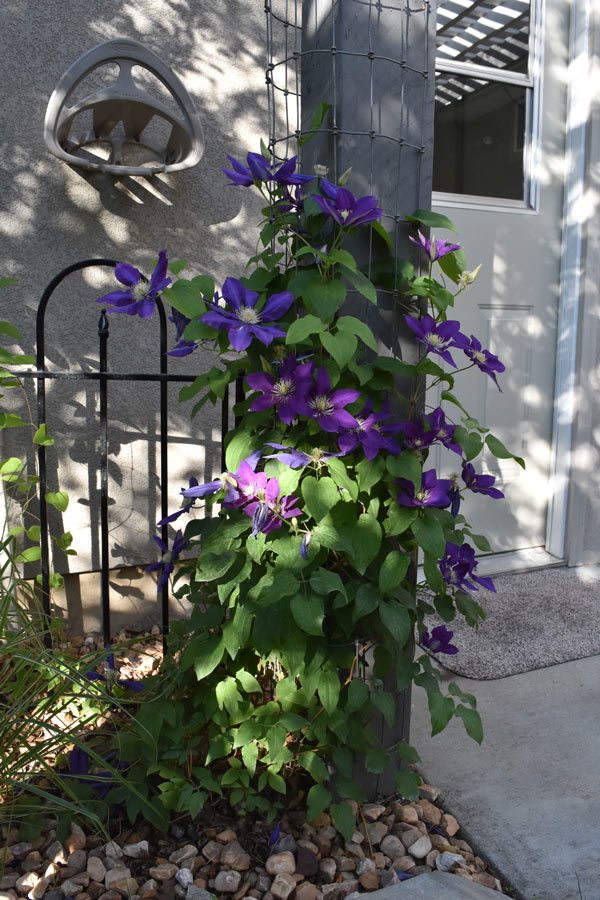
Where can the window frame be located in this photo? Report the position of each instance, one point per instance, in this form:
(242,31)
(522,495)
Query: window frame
(532,82)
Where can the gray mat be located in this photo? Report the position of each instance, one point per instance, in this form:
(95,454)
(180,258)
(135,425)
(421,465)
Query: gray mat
(536,619)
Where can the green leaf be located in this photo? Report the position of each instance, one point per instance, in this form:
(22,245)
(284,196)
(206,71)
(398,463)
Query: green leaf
(239,447)
(383,234)
(472,722)
(481,542)
(430,535)
(58,499)
(177,265)
(339,473)
(343,257)
(308,612)
(365,541)
(431,220)
(314,765)
(227,695)
(361,283)
(303,328)
(341,346)
(208,655)
(470,441)
(212,566)
(6,282)
(393,571)
(248,682)
(453,265)
(277,783)
(317,800)
(343,819)
(369,472)
(186,297)
(250,755)
(325,582)
(320,496)
(397,620)
(360,329)
(441,710)
(386,704)
(376,760)
(500,451)
(41,437)
(406,465)
(322,298)
(407,783)
(316,121)
(11,420)
(367,599)
(328,689)
(399,519)
(432,572)
(30,554)
(358,695)
(446,395)
(407,753)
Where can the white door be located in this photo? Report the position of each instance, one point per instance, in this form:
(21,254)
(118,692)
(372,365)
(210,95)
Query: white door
(498,174)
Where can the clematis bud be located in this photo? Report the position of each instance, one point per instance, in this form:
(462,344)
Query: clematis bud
(466,279)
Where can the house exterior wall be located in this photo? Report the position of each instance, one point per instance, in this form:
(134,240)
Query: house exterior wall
(52,215)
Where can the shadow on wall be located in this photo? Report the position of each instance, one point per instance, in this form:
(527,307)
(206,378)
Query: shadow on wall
(53,215)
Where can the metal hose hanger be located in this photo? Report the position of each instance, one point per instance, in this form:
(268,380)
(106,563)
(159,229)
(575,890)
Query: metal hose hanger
(121,114)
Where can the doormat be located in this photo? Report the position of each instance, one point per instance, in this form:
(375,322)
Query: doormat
(536,619)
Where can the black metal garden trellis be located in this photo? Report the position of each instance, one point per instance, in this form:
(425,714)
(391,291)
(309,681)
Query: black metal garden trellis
(103,376)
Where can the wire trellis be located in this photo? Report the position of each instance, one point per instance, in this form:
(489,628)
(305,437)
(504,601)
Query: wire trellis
(372,62)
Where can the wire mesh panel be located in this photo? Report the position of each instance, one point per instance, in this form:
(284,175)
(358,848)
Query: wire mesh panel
(372,62)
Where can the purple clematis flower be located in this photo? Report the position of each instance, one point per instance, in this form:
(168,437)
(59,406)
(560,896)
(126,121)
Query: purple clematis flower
(434,248)
(297,459)
(259,169)
(259,497)
(434,491)
(437,337)
(439,640)
(182,347)
(79,762)
(193,483)
(431,428)
(166,564)
(306,539)
(326,407)
(372,433)
(480,484)
(286,392)
(455,499)
(139,299)
(484,360)
(458,569)
(344,208)
(243,321)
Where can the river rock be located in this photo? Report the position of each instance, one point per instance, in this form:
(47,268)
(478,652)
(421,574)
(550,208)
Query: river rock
(450,825)
(373,811)
(430,812)
(184,855)
(226,836)
(141,850)
(26,882)
(96,868)
(113,877)
(163,872)
(283,886)
(328,869)
(375,832)
(234,855)
(420,848)
(281,863)
(184,877)
(56,853)
(77,861)
(285,842)
(77,840)
(307,891)
(212,851)
(307,862)
(227,882)
(392,846)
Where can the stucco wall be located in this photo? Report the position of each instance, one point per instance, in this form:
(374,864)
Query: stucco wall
(52,215)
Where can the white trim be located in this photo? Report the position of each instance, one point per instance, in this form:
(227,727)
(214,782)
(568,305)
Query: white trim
(570,281)
(483,73)
(488,204)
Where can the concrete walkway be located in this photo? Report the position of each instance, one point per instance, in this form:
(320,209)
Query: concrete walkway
(529,797)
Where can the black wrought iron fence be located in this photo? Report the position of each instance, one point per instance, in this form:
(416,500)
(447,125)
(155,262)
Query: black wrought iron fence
(104,377)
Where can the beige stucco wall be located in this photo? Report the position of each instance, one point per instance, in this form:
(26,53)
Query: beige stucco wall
(52,215)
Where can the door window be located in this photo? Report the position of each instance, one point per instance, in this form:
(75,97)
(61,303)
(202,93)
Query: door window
(485,101)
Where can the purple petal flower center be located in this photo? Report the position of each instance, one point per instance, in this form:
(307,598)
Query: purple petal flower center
(284,389)
(322,405)
(248,315)
(422,495)
(479,356)
(139,290)
(434,340)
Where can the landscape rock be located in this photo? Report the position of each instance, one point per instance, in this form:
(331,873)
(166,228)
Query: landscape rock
(96,868)
(77,860)
(420,848)
(285,842)
(392,846)
(26,882)
(450,825)
(283,886)
(184,877)
(281,863)
(141,850)
(338,891)
(373,811)
(307,862)
(39,890)
(375,832)
(328,869)
(163,872)
(404,863)
(234,855)
(114,877)
(212,851)
(227,882)
(446,861)
(308,891)
(77,839)
(56,853)
(184,855)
